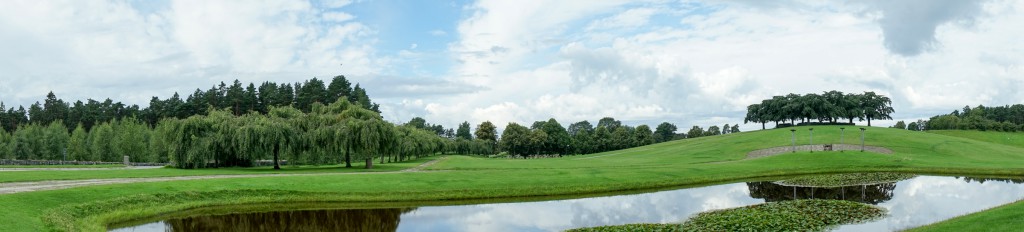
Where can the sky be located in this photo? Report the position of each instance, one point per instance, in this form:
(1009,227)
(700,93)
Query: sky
(641,62)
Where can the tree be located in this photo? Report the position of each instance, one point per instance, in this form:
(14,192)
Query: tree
(131,138)
(263,137)
(643,136)
(557,137)
(735,129)
(713,130)
(900,125)
(78,146)
(577,127)
(5,143)
(537,139)
(610,123)
(602,139)
(56,136)
(487,133)
(695,132)
(725,128)
(339,88)
(664,132)
(876,106)
(463,132)
(621,138)
(515,139)
(913,126)
(100,143)
(374,138)
(418,123)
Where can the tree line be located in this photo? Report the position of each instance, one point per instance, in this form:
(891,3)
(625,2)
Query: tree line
(1008,118)
(828,107)
(328,134)
(552,138)
(237,98)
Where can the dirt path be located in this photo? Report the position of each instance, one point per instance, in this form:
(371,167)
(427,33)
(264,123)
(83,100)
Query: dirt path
(18,187)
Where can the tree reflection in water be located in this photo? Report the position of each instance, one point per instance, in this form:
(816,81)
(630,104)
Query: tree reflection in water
(869,194)
(316,220)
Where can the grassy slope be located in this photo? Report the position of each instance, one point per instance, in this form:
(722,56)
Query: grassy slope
(678,163)
(1003,218)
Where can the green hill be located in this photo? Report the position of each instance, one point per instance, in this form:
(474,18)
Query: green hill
(690,162)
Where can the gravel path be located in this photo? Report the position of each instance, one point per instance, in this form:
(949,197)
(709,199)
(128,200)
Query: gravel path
(18,187)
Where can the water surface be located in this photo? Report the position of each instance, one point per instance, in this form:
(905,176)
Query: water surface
(914,202)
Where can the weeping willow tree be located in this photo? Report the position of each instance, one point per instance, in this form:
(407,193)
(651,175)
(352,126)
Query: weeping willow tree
(262,137)
(374,138)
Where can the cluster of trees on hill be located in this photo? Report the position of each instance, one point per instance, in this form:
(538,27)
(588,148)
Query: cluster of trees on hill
(237,98)
(1000,118)
(826,107)
(551,138)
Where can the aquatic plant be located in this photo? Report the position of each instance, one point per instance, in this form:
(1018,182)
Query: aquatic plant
(845,179)
(798,215)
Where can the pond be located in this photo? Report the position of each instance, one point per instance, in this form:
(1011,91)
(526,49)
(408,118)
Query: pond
(913,202)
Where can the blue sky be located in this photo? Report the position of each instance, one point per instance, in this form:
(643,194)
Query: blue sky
(679,61)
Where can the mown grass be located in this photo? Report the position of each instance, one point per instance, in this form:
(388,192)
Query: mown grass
(1006,138)
(100,173)
(66,166)
(690,162)
(796,215)
(1009,217)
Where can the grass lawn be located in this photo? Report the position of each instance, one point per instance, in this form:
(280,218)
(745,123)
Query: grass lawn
(65,166)
(22,176)
(691,162)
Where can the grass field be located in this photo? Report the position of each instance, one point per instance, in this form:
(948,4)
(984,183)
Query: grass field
(690,162)
(65,166)
(23,176)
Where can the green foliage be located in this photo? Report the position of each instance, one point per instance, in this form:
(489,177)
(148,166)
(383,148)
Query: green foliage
(100,147)
(5,145)
(131,138)
(56,141)
(27,142)
(695,132)
(78,146)
(643,136)
(463,132)
(515,139)
(829,106)
(665,132)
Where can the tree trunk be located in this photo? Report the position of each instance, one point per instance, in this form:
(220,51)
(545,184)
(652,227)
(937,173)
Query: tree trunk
(869,121)
(851,120)
(762,125)
(348,159)
(369,163)
(277,166)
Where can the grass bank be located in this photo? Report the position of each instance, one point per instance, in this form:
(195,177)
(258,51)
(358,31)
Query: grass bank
(108,173)
(674,164)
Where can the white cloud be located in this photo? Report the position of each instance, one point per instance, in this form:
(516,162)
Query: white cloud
(337,16)
(112,49)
